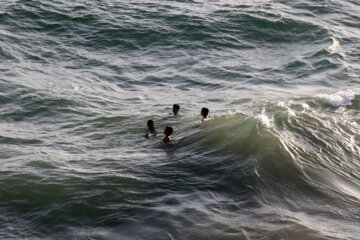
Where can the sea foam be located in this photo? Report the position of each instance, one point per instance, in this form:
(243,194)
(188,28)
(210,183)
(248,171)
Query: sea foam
(341,98)
(334,46)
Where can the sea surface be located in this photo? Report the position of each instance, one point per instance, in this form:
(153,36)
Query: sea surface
(279,159)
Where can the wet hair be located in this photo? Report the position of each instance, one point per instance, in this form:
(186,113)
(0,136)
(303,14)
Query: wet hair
(150,122)
(169,130)
(205,111)
(176,106)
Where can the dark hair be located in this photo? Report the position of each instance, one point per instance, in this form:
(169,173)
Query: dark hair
(169,130)
(205,111)
(176,106)
(150,122)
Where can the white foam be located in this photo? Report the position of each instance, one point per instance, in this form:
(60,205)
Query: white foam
(281,104)
(287,106)
(264,119)
(305,106)
(340,98)
(334,46)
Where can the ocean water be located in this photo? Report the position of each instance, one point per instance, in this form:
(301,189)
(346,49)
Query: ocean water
(279,159)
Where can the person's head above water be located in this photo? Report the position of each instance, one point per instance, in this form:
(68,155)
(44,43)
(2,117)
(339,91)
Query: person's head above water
(151,125)
(204,112)
(168,131)
(176,108)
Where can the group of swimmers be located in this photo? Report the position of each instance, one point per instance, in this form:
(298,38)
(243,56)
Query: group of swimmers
(151,131)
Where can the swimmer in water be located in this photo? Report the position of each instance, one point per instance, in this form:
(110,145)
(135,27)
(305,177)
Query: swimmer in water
(205,114)
(151,129)
(168,131)
(176,108)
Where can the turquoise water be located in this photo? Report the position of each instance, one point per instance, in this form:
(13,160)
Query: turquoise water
(280,158)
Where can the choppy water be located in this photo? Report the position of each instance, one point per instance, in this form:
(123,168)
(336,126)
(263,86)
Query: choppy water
(280,158)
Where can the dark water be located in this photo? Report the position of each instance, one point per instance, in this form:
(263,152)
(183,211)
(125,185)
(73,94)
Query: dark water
(280,158)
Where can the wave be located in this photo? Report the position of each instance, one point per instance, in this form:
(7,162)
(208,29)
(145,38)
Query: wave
(302,143)
(286,156)
(341,98)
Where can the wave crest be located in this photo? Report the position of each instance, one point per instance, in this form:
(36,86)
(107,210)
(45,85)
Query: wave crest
(341,98)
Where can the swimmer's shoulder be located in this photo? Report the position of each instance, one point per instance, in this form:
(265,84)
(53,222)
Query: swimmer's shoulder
(149,134)
(206,119)
(168,139)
